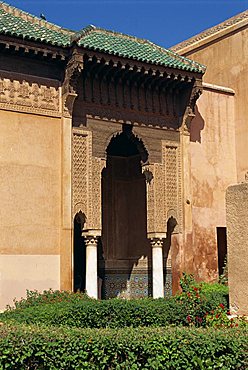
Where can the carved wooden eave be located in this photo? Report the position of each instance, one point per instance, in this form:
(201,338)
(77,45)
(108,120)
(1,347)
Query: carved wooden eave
(138,65)
(32,49)
(135,78)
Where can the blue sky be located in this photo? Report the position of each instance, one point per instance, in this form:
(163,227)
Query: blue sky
(165,22)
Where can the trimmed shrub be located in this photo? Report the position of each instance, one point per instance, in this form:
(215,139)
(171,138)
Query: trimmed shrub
(114,313)
(30,347)
(77,310)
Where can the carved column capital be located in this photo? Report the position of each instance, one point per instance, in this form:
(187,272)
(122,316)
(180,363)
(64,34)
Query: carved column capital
(90,240)
(157,242)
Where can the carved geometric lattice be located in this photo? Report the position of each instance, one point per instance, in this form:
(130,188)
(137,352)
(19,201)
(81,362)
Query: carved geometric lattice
(159,203)
(79,172)
(171,177)
(173,197)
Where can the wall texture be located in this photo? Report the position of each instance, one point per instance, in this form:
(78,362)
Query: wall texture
(237,237)
(226,59)
(30,193)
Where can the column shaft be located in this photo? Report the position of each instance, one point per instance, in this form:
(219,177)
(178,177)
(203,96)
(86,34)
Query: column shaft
(157,268)
(91,266)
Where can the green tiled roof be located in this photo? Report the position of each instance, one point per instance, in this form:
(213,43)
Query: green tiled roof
(131,47)
(17,23)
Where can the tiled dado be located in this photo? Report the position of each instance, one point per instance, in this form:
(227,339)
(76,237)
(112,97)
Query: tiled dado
(138,284)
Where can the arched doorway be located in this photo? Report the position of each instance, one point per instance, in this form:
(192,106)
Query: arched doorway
(79,255)
(124,211)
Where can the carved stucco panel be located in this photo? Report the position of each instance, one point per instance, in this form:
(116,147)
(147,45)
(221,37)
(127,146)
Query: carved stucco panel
(159,199)
(173,182)
(148,170)
(97,166)
(80,172)
(36,97)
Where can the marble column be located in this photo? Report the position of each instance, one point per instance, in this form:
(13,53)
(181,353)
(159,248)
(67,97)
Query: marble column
(157,268)
(91,266)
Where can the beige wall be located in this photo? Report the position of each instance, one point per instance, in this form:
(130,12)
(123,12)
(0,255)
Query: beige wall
(213,168)
(30,194)
(237,224)
(227,65)
(21,272)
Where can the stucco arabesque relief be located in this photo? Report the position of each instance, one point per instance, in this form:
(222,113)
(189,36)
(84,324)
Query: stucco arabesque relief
(20,94)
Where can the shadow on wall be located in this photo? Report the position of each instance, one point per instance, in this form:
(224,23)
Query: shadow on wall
(197,125)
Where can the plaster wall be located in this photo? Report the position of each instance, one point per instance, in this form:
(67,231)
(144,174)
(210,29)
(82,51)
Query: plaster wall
(21,272)
(30,184)
(237,236)
(226,59)
(213,169)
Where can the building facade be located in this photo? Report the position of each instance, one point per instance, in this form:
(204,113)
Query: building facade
(112,170)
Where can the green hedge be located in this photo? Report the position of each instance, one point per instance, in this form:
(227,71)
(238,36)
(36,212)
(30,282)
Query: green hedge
(77,310)
(114,313)
(30,347)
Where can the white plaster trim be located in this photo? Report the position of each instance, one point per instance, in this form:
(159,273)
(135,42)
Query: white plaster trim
(218,88)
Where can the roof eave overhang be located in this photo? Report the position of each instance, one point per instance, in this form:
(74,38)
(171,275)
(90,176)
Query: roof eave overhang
(202,41)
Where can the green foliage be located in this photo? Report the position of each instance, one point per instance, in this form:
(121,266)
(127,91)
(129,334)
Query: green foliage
(223,279)
(114,313)
(34,298)
(30,347)
(52,331)
(77,310)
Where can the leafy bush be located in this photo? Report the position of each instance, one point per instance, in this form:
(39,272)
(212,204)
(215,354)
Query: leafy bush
(77,310)
(114,313)
(30,347)
(34,298)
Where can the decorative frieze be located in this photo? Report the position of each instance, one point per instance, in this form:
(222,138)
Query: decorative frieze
(31,97)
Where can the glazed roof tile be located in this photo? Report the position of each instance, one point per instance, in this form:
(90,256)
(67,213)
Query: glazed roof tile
(15,22)
(131,47)
(18,23)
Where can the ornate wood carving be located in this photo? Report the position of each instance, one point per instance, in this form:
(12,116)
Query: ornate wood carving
(72,72)
(190,109)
